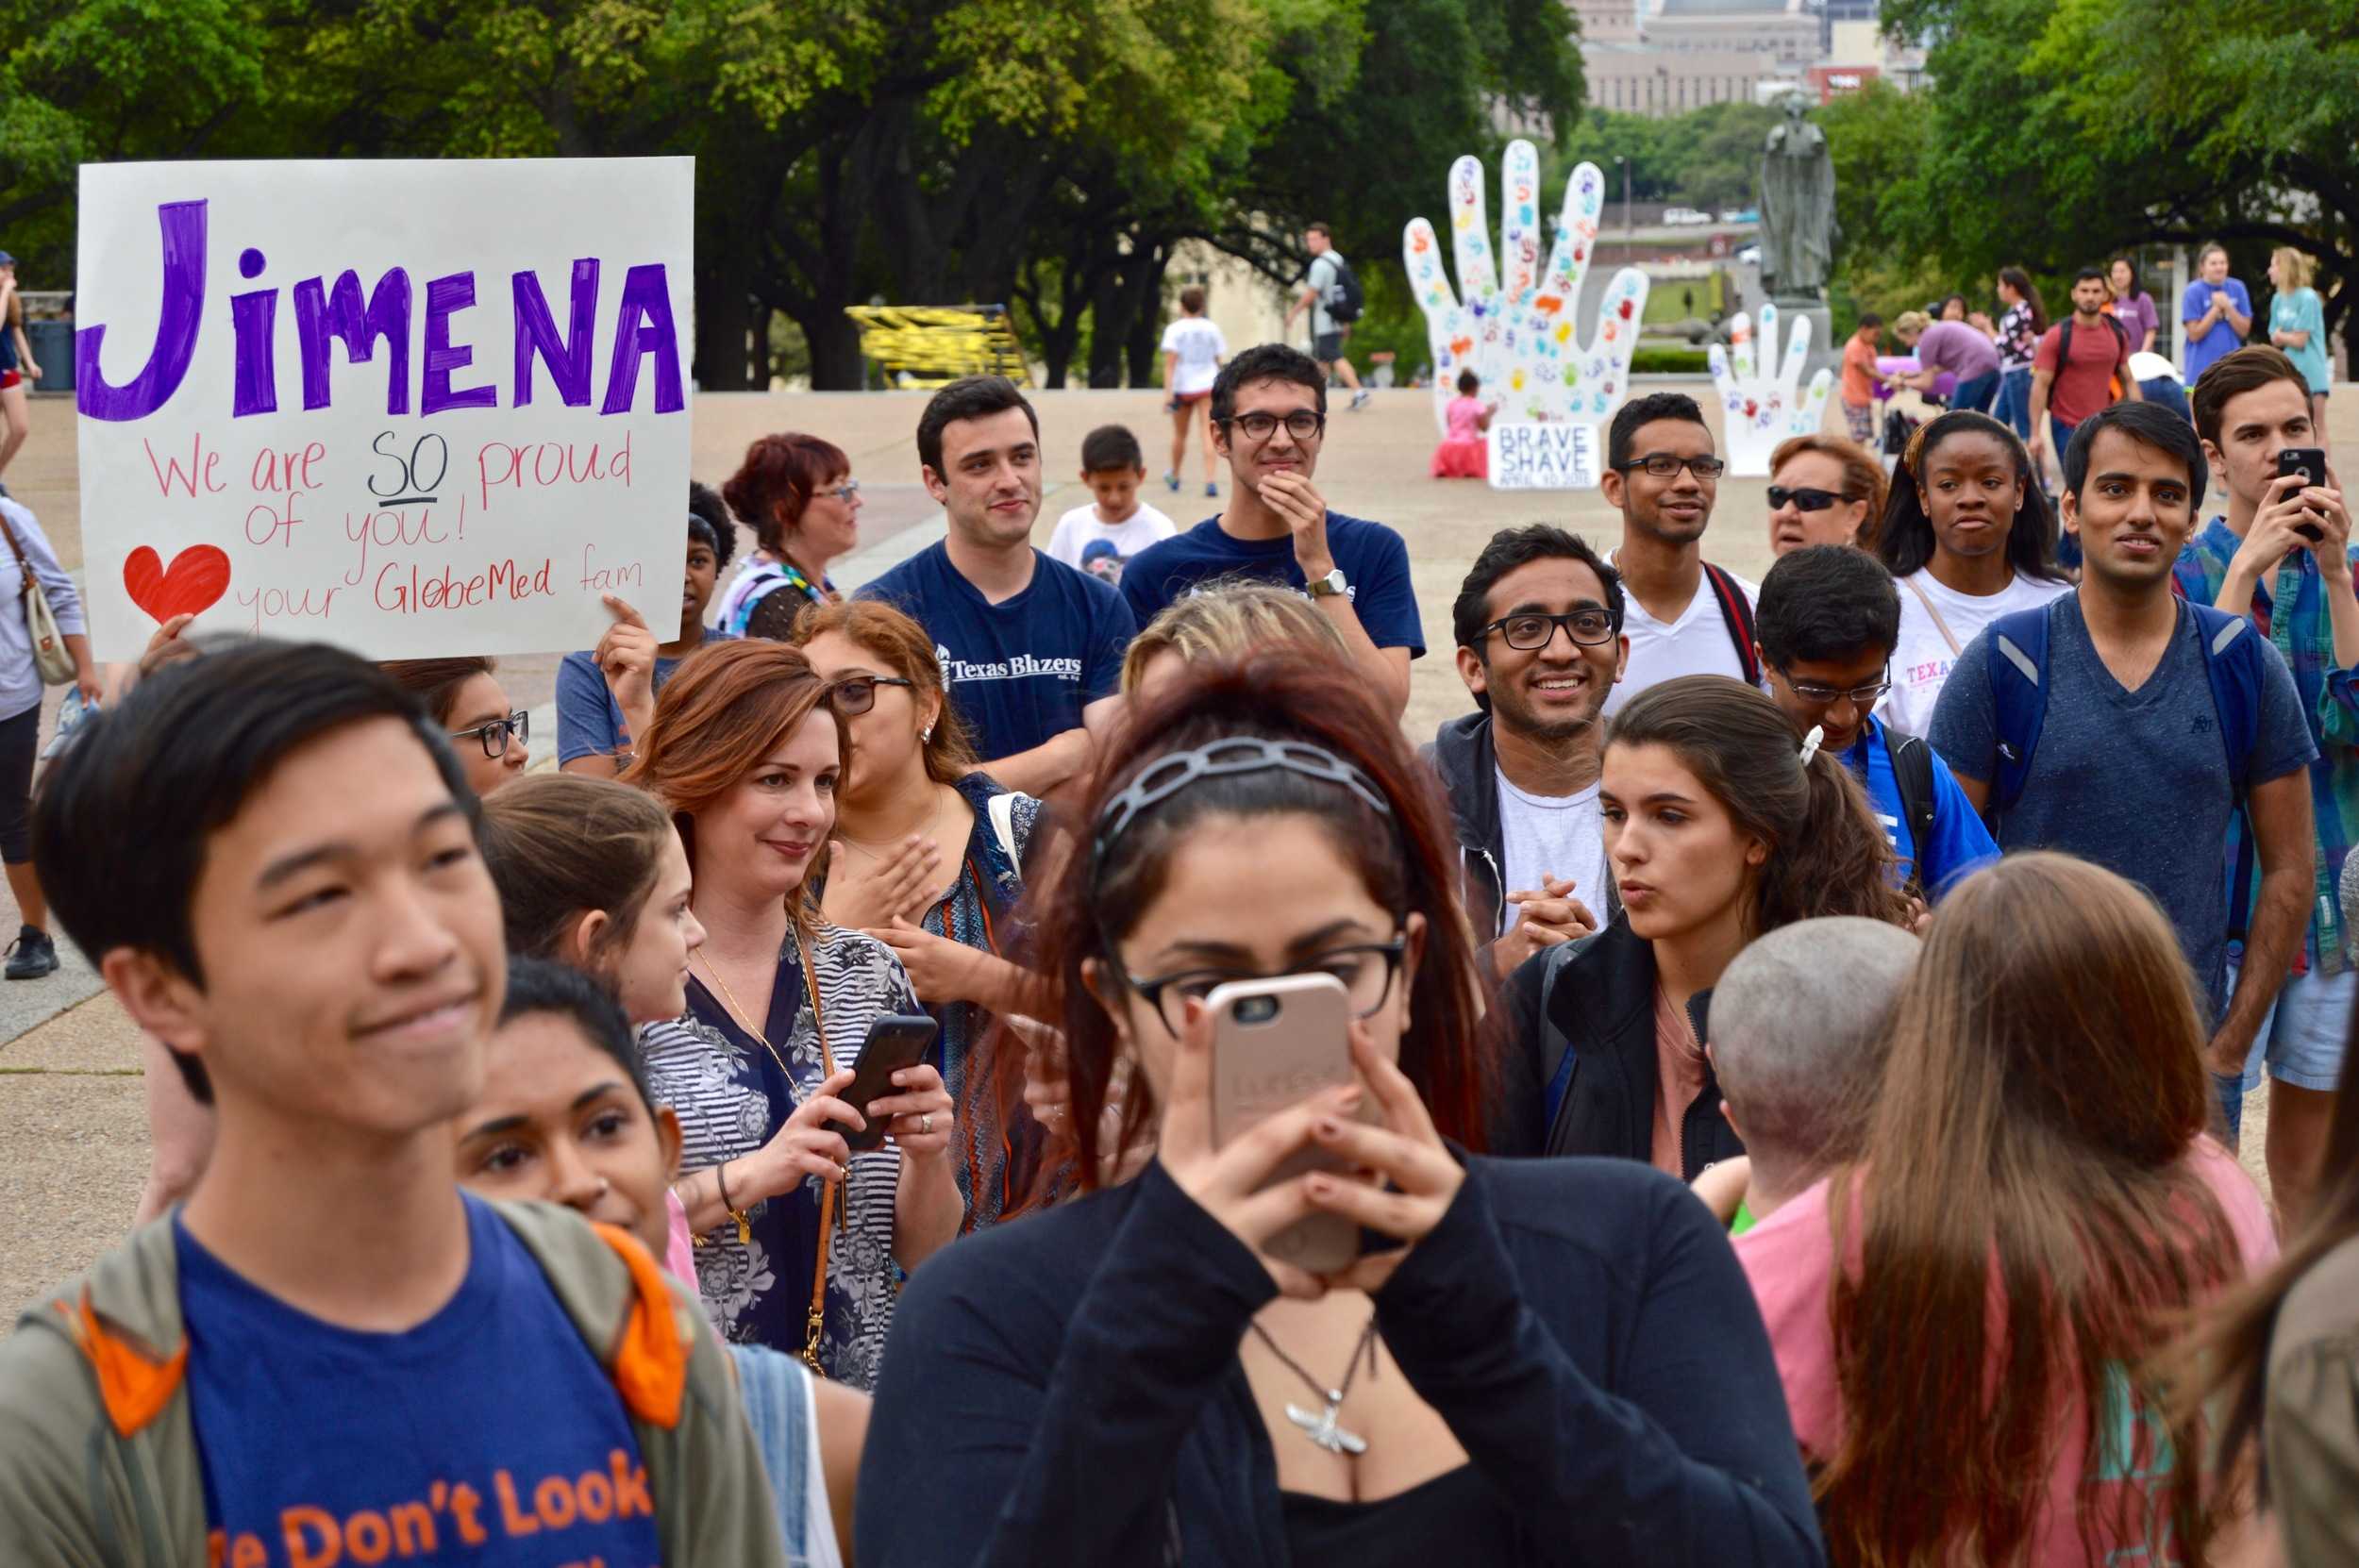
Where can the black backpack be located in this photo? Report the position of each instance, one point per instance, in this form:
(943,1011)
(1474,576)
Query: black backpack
(1346,299)
(1913,771)
(2064,346)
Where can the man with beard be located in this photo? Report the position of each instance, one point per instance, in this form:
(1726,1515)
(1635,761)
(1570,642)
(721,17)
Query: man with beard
(1687,617)
(1269,419)
(1540,644)
(2124,725)
(1030,649)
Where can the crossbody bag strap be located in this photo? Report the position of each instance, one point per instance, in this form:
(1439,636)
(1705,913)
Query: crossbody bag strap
(1940,626)
(815,1328)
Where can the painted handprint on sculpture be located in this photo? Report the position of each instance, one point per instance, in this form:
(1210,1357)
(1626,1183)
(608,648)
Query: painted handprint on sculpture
(1765,410)
(1520,335)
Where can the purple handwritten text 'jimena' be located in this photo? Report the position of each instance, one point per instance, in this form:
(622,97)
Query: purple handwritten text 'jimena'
(342,313)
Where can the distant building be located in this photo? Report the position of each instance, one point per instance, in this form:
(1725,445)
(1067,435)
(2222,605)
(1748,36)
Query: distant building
(1606,21)
(1643,79)
(1662,57)
(1786,30)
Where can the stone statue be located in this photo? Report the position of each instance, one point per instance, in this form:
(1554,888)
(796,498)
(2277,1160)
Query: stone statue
(1798,227)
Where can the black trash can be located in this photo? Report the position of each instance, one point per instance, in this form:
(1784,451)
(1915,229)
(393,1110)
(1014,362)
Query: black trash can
(53,347)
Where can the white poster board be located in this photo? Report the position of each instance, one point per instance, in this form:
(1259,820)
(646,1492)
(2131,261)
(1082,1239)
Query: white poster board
(412,408)
(1553,454)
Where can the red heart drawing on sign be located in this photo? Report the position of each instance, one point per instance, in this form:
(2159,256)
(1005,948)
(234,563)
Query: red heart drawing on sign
(198,578)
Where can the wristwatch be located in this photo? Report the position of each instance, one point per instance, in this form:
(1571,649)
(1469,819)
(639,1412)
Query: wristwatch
(1333,583)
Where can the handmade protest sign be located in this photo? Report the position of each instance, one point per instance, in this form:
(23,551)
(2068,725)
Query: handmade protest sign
(413,407)
(1554,455)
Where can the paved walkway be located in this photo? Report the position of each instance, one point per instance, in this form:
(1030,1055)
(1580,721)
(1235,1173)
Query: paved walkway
(73,1134)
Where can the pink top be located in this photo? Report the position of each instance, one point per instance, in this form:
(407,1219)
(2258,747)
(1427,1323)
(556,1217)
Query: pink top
(1788,1258)
(679,1253)
(1465,415)
(1680,1078)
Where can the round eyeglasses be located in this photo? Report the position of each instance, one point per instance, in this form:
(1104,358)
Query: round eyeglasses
(1665,465)
(1303,424)
(492,736)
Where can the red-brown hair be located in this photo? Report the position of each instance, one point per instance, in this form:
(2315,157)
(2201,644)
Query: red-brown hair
(903,647)
(1409,859)
(728,706)
(776,480)
(1863,475)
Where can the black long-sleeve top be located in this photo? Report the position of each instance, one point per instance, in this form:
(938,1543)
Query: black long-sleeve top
(1066,1388)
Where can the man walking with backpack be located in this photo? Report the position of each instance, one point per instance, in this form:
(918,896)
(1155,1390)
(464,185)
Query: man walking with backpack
(1332,293)
(1685,616)
(2126,725)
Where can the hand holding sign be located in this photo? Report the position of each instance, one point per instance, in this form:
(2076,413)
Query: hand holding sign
(626,656)
(1519,335)
(1765,410)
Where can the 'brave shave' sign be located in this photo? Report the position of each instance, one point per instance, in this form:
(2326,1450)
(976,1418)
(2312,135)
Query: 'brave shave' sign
(413,408)
(1555,455)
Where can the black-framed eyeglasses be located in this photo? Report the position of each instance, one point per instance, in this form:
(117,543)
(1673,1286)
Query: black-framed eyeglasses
(1807,499)
(1665,465)
(1863,696)
(856,694)
(1303,424)
(493,735)
(1366,970)
(1531,633)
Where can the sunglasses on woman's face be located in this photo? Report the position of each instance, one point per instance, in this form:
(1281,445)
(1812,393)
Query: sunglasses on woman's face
(856,694)
(1805,499)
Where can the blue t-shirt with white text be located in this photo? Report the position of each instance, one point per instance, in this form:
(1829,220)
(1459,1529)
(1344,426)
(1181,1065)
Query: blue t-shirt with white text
(487,1436)
(1960,842)
(1021,669)
(1373,561)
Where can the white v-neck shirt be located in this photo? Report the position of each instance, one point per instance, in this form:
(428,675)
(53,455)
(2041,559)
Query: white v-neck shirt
(1697,643)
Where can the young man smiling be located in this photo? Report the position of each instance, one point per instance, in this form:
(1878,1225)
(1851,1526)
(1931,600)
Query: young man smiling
(1540,644)
(1269,419)
(330,1347)
(1030,648)
(1686,617)
(2281,555)
(2135,726)
(1829,618)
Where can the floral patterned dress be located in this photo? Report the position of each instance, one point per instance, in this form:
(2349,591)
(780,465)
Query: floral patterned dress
(733,1094)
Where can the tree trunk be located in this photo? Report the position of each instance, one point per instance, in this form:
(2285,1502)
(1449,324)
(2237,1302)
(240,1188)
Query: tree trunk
(730,344)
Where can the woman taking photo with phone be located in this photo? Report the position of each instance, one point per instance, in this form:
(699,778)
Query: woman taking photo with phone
(927,858)
(1717,828)
(1538,1362)
(1969,537)
(798,1237)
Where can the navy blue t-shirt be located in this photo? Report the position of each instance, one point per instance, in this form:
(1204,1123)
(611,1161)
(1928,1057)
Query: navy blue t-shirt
(1021,669)
(1373,561)
(487,1436)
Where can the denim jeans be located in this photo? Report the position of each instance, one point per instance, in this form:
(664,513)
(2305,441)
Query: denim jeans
(2068,544)
(2013,405)
(1975,395)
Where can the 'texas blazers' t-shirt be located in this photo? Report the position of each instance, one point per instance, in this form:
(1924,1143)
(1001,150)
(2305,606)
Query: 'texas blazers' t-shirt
(1372,558)
(1021,669)
(487,1436)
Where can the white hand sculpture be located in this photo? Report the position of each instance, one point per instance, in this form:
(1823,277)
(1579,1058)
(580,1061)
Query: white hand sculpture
(1519,339)
(1763,409)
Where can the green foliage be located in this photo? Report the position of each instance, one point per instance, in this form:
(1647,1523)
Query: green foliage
(1670,362)
(1709,158)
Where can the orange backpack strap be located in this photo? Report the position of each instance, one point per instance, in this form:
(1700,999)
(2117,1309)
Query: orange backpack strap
(134,1383)
(651,1359)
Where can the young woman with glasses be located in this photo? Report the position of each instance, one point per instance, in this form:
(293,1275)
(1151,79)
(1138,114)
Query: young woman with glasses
(1533,1362)
(1719,827)
(1968,536)
(802,1243)
(1823,489)
(797,494)
(928,858)
(466,700)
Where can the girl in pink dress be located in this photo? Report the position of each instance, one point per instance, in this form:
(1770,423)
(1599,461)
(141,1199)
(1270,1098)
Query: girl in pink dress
(1463,454)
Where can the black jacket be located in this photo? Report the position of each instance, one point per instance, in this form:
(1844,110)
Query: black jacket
(1598,1032)
(1064,1388)
(1463,755)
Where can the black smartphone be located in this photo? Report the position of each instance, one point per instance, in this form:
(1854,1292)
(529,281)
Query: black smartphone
(2310,462)
(894,1040)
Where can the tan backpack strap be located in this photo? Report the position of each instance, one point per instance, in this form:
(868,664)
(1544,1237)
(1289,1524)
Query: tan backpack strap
(1940,626)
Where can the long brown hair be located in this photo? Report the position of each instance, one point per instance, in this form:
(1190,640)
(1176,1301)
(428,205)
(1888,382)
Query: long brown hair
(907,651)
(1827,855)
(2222,1365)
(437,683)
(2026,1153)
(1408,858)
(560,844)
(727,706)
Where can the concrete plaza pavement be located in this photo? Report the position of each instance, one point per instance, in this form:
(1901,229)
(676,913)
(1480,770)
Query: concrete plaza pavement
(72,1130)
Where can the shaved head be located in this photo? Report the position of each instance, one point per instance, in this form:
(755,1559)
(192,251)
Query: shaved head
(1797,1037)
